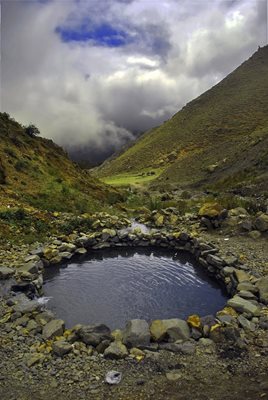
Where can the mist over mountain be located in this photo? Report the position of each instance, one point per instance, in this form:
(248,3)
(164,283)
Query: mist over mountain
(90,74)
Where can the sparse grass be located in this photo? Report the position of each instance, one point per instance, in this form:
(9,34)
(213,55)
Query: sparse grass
(38,172)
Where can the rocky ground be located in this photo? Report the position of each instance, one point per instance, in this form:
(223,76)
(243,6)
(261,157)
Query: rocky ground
(217,368)
(211,373)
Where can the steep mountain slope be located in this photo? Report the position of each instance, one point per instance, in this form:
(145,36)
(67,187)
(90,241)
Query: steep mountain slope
(218,139)
(37,172)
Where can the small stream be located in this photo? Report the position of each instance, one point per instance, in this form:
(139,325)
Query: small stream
(116,285)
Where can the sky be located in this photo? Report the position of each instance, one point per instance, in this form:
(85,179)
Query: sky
(92,74)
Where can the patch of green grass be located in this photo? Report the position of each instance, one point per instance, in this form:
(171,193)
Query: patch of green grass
(128,179)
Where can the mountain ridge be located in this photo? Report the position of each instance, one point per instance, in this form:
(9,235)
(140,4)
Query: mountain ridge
(37,172)
(206,142)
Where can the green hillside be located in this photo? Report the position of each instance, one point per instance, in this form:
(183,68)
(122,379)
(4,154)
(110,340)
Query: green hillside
(220,139)
(37,173)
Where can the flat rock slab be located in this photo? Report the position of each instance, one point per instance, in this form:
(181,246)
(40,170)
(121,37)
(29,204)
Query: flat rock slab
(53,328)
(242,305)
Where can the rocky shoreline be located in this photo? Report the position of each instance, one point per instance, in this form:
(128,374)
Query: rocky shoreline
(46,342)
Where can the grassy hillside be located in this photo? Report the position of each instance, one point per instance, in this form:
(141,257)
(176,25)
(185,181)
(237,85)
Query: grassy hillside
(38,173)
(219,139)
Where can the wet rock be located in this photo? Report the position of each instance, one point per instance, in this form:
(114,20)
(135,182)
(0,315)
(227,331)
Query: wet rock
(136,333)
(116,350)
(61,347)
(53,328)
(262,285)
(169,330)
(242,305)
(94,334)
(25,305)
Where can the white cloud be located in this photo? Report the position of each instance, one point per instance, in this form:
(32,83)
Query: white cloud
(80,92)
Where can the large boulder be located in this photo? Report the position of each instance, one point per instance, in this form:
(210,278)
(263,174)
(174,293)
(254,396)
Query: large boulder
(6,272)
(262,285)
(136,333)
(169,330)
(242,305)
(53,328)
(94,334)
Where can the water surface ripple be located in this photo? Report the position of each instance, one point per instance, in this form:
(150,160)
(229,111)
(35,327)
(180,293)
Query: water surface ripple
(118,285)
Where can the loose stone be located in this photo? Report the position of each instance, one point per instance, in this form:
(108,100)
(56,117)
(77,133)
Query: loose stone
(169,330)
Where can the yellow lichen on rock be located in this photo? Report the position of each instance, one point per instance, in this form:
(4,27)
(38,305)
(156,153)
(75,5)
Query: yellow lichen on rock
(210,210)
(216,326)
(194,321)
(227,311)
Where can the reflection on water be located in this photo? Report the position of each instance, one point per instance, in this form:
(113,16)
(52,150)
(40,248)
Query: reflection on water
(114,286)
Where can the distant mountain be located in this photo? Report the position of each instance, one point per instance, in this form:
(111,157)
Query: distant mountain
(37,172)
(218,140)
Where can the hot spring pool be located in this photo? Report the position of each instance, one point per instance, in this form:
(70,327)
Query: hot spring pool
(114,286)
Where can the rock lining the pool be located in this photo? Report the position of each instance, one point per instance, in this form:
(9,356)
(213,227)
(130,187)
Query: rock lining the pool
(245,311)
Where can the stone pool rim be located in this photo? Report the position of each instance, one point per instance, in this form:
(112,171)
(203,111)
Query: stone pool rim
(229,271)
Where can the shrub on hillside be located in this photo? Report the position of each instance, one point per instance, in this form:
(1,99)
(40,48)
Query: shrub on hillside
(32,130)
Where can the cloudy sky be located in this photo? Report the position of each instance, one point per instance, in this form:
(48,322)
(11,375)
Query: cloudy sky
(93,73)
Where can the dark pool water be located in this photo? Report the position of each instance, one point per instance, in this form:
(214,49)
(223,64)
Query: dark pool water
(118,285)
